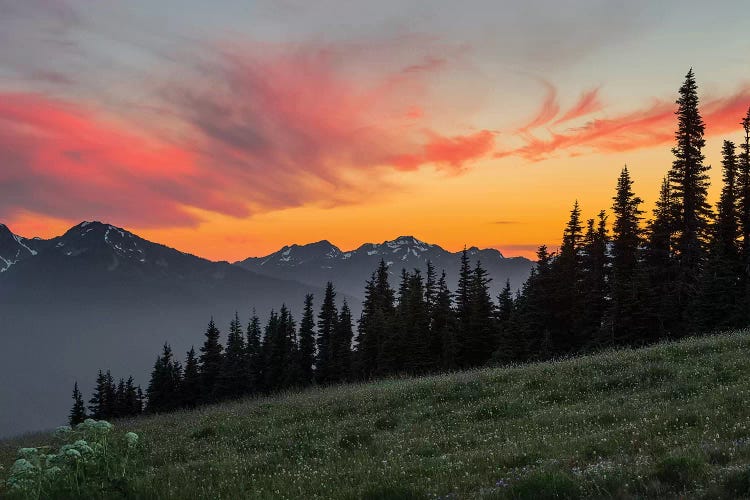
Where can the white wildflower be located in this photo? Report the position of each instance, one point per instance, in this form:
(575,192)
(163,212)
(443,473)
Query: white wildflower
(131,438)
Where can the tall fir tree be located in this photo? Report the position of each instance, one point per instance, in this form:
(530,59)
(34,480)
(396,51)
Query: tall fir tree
(120,408)
(660,305)
(507,341)
(327,319)
(413,325)
(463,309)
(719,302)
(595,278)
(481,339)
(163,391)
(375,324)
(443,327)
(691,212)
(567,297)
(622,322)
(133,402)
(307,341)
(78,411)
(744,214)
(273,354)
(100,402)
(342,345)
(534,314)
(232,381)
(210,361)
(290,342)
(254,356)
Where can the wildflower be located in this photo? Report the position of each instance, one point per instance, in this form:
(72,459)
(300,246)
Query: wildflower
(63,431)
(102,425)
(22,467)
(73,453)
(27,452)
(53,471)
(131,438)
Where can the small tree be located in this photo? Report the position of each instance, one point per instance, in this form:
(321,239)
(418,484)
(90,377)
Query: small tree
(78,411)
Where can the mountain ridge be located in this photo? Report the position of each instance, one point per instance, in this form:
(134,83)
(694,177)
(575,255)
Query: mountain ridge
(321,261)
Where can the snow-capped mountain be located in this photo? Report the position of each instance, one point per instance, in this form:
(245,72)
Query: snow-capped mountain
(14,248)
(100,297)
(319,262)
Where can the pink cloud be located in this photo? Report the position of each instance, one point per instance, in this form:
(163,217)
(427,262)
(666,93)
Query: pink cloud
(588,103)
(647,127)
(249,129)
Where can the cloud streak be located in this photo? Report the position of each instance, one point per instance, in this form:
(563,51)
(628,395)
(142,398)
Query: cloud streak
(647,127)
(248,129)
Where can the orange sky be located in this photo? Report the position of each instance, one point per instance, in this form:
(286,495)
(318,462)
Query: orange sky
(225,145)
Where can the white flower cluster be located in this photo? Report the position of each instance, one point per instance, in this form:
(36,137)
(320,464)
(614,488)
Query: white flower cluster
(36,470)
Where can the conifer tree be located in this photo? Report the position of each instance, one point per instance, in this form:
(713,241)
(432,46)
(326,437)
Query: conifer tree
(190,388)
(291,358)
(689,188)
(430,287)
(99,404)
(78,411)
(375,324)
(507,341)
(120,407)
(463,309)
(595,270)
(481,339)
(211,361)
(413,321)
(534,312)
(719,303)
(660,305)
(163,391)
(744,215)
(342,353)
(273,353)
(622,317)
(133,403)
(232,381)
(443,327)
(307,342)
(327,319)
(254,356)
(567,296)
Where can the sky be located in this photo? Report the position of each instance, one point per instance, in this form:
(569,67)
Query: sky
(230,128)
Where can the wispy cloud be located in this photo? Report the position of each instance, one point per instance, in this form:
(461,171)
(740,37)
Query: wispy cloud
(249,128)
(652,125)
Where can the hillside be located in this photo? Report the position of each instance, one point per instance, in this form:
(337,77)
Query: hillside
(665,421)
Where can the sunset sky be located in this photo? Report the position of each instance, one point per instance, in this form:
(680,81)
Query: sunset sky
(231,128)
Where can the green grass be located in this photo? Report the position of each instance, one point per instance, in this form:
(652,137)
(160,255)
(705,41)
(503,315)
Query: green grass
(667,421)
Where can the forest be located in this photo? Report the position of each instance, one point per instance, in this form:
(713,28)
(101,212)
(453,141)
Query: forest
(618,279)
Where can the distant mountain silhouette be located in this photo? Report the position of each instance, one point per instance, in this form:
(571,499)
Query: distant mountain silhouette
(101,297)
(319,262)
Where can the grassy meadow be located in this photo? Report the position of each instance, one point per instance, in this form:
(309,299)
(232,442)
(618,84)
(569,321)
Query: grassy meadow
(661,422)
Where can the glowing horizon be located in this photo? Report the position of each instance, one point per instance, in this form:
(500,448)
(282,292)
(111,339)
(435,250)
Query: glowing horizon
(475,127)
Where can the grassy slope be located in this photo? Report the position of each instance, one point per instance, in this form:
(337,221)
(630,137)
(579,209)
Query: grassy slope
(654,422)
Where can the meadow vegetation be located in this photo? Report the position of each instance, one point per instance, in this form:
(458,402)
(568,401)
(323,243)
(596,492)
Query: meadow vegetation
(672,420)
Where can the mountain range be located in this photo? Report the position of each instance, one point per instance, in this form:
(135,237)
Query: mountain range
(100,297)
(320,262)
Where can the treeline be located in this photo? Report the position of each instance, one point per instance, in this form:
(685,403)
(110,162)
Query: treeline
(685,271)
(616,280)
(109,400)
